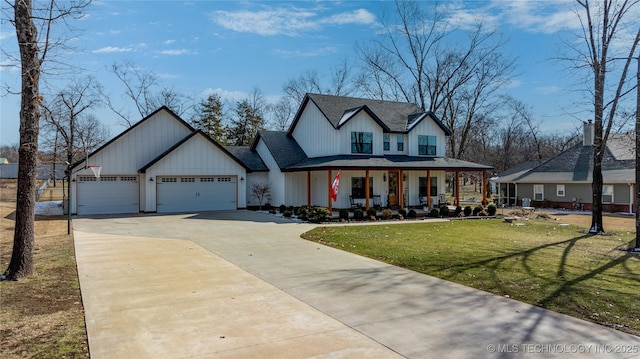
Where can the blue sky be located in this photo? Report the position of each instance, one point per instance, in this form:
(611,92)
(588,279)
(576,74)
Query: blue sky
(232,47)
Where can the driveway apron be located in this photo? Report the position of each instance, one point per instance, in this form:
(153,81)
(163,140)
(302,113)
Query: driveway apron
(243,284)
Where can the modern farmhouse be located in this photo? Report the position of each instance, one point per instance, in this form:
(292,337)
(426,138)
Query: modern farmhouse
(387,153)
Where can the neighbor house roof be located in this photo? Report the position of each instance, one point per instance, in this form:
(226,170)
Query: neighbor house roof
(576,164)
(392,116)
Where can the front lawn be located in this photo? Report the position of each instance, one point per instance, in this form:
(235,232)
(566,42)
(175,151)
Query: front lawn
(554,266)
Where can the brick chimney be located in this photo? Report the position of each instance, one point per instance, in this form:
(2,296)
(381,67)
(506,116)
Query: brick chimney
(588,135)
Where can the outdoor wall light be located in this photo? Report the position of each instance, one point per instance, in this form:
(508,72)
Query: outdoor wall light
(384,177)
(151,179)
(404,177)
(241,178)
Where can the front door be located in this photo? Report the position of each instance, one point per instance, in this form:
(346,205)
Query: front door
(393,188)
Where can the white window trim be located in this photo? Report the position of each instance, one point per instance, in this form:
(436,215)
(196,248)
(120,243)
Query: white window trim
(607,193)
(541,193)
(560,190)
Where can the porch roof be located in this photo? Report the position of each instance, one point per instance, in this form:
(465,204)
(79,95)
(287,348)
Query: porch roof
(384,163)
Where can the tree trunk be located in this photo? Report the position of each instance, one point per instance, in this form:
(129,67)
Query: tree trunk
(21,264)
(637,245)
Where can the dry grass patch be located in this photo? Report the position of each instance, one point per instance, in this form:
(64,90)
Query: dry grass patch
(41,316)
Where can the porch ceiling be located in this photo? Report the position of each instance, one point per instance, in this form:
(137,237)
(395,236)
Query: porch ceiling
(385,162)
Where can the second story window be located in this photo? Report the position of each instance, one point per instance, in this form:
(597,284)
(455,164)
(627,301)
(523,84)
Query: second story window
(400,143)
(361,142)
(427,145)
(386,142)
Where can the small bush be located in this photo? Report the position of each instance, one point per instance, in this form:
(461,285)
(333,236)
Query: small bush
(467,211)
(457,212)
(358,214)
(291,209)
(444,211)
(402,212)
(386,213)
(435,213)
(344,214)
(282,208)
(371,212)
(287,213)
(318,214)
(478,209)
(492,209)
(412,214)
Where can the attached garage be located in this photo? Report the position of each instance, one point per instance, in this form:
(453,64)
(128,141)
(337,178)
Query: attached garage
(196,193)
(107,194)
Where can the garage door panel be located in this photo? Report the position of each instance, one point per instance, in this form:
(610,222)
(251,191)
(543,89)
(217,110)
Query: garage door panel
(196,193)
(107,194)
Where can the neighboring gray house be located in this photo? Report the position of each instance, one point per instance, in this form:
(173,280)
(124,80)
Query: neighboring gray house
(564,181)
(10,171)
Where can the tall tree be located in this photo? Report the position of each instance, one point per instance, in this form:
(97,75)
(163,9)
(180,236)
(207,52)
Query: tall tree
(208,117)
(33,52)
(247,120)
(605,27)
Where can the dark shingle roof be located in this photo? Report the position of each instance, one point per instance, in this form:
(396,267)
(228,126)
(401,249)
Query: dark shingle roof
(284,149)
(250,158)
(392,116)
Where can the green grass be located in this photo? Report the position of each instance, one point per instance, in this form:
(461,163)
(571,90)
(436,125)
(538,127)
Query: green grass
(541,263)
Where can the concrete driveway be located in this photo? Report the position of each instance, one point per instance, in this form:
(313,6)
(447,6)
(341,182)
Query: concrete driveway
(242,284)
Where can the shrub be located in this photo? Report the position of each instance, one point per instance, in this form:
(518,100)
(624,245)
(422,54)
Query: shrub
(434,213)
(282,208)
(492,209)
(344,214)
(318,214)
(412,214)
(386,213)
(467,211)
(371,212)
(457,212)
(444,211)
(478,209)
(358,214)
(287,213)
(291,209)
(402,212)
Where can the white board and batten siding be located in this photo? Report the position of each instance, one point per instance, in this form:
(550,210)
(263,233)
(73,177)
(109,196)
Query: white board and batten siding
(275,178)
(197,176)
(426,127)
(107,194)
(128,153)
(362,122)
(313,126)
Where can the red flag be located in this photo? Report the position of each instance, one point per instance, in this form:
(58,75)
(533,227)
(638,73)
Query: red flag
(334,187)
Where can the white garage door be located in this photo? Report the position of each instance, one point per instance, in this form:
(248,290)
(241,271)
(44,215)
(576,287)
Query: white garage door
(194,194)
(108,194)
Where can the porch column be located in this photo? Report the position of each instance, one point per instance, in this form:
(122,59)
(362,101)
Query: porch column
(401,188)
(308,188)
(329,189)
(429,189)
(457,188)
(484,187)
(366,189)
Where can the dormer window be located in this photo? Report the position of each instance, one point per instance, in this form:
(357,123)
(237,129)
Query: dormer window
(362,142)
(427,145)
(386,142)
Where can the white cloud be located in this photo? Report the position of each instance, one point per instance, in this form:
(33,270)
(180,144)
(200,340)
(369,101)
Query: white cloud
(225,95)
(549,90)
(177,52)
(169,42)
(286,21)
(112,49)
(311,53)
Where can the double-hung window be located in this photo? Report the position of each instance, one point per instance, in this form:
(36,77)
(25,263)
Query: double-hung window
(400,143)
(427,145)
(361,142)
(560,190)
(433,186)
(386,143)
(607,193)
(538,192)
(358,187)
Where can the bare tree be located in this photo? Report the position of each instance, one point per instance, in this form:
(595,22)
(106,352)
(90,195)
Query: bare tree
(33,50)
(604,26)
(10,152)
(262,192)
(144,90)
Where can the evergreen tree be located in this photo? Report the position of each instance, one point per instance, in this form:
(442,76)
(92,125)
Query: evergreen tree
(209,119)
(248,120)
